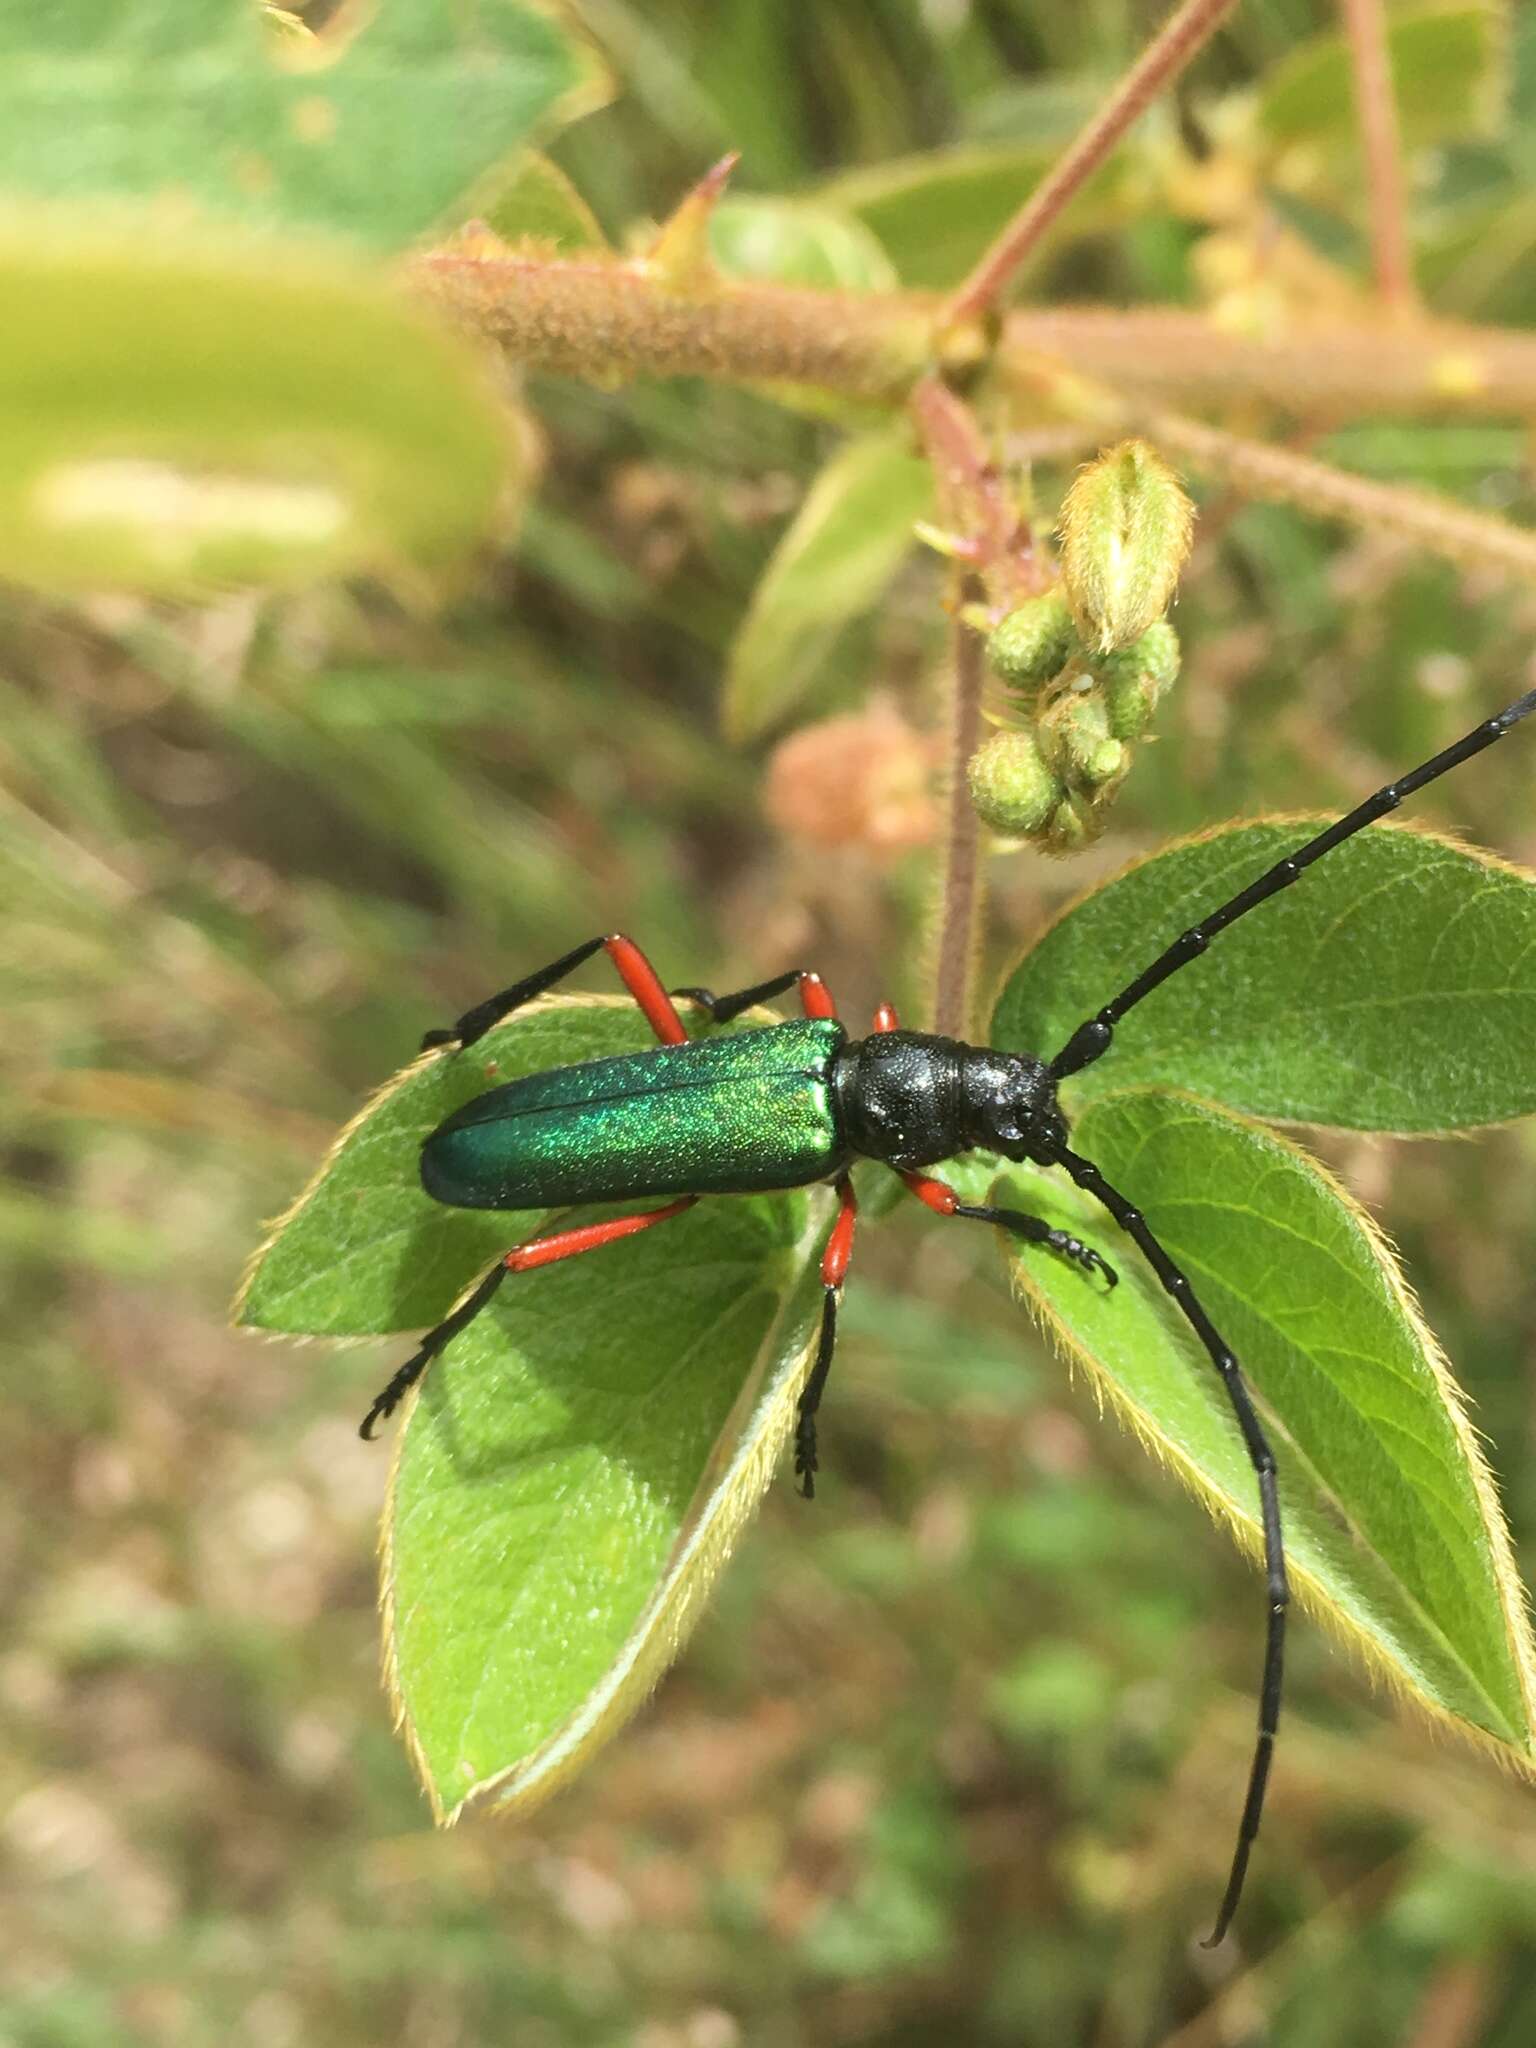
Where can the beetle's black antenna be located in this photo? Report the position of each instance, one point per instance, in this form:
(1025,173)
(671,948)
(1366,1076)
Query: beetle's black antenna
(1260,1456)
(1091,1040)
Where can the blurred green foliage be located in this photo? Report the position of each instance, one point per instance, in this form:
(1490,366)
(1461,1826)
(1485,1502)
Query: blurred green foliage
(954,1756)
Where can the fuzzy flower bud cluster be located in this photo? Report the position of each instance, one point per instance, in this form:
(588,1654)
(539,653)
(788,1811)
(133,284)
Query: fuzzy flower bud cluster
(1086,664)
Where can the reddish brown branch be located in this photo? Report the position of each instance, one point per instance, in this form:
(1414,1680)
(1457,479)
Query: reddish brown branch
(1184,32)
(1317,371)
(975,505)
(960,882)
(604,319)
(1376,103)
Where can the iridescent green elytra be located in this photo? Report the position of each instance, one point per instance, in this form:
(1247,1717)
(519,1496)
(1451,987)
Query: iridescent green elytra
(715,1116)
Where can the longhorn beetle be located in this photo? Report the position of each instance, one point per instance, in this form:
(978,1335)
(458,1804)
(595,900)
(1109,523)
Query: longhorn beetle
(787,1104)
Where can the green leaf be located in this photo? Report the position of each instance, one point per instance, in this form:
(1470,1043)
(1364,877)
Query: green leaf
(934,214)
(1392,989)
(795,241)
(364,1251)
(577,1465)
(1392,1525)
(375,131)
(840,551)
(176,418)
(1447,76)
(539,203)
(573,1475)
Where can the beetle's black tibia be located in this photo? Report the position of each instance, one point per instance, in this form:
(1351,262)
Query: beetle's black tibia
(485,1016)
(434,1342)
(807,1464)
(725,1009)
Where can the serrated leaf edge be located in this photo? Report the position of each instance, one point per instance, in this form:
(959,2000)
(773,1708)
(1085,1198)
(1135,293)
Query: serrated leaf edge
(732,1484)
(1242,1521)
(354,1123)
(1316,820)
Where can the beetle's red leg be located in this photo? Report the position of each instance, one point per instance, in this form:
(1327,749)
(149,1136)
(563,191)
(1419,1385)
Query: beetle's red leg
(538,1251)
(834,1269)
(815,996)
(943,1200)
(885,1019)
(635,971)
(644,984)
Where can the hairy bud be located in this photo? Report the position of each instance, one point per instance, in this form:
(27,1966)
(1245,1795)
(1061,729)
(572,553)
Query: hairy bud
(1135,679)
(1034,642)
(1012,788)
(1125,529)
(1075,737)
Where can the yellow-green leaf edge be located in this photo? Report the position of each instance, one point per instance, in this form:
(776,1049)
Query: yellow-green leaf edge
(1315,820)
(1242,1521)
(744,1459)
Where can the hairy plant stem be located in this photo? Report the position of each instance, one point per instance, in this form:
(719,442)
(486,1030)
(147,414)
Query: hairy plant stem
(995,564)
(960,877)
(1184,33)
(607,320)
(1376,104)
(1473,539)
(1258,469)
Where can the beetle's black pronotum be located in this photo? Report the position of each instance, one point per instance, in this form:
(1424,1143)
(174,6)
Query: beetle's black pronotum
(794,1103)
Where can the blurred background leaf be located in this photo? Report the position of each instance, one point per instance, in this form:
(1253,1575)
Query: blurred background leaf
(239,113)
(845,544)
(199,420)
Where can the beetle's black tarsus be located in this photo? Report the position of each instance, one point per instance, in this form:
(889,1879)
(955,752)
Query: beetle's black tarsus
(1277,1593)
(434,1341)
(1091,1040)
(806,1461)
(1035,1230)
(722,1009)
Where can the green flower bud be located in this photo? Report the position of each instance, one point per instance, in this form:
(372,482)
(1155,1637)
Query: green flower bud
(1033,643)
(1136,678)
(1124,538)
(1068,830)
(1155,655)
(1076,740)
(1012,788)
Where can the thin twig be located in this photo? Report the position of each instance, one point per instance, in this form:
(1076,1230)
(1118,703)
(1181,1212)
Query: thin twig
(960,880)
(995,562)
(1376,103)
(1180,37)
(1474,539)
(991,534)
(1329,369)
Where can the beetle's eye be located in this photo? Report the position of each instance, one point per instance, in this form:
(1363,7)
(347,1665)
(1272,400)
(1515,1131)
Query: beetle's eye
(1005,1124)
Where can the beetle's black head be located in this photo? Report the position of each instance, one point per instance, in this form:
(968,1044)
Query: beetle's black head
(1008,1104)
